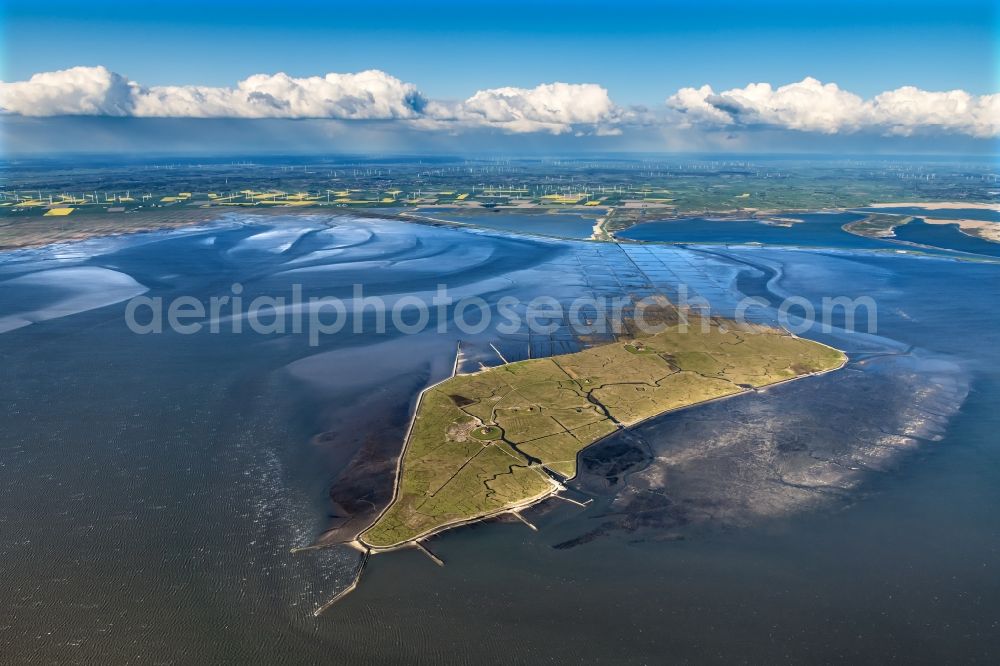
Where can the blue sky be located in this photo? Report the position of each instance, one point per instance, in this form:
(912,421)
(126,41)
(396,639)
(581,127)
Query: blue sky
(640,52)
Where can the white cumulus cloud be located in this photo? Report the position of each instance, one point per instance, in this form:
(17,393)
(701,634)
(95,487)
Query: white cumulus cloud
(906,109)
(91,91)
(557,108)
(551,107)
(812,106)
(370,95)
(693,102)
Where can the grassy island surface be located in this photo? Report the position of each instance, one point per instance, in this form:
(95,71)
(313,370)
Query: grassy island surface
(490,442)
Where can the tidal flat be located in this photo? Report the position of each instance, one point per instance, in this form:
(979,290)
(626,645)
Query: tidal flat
(812,518)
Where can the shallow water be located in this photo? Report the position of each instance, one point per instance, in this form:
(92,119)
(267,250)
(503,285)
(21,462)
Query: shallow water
(946,236)
(561,225)
(943,213)
(814,229)
(151,486)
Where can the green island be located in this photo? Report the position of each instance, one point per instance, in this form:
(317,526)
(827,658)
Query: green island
(502,438)
(877,225)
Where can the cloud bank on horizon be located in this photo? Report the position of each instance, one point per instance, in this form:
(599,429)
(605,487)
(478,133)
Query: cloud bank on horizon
(812,106)
(555,108)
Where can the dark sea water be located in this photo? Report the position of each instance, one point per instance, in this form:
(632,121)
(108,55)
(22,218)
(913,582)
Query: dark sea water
(152,486)
(942,213)
(816,230)
(945,236)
